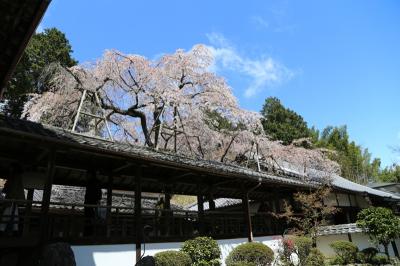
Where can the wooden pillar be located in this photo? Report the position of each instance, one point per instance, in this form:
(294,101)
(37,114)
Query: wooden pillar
(138,212)
(167,210)
(247,217)
(395,250)
(200,207)
(46,196)
(109,204)
(28,211)
(211,202)
(275,209)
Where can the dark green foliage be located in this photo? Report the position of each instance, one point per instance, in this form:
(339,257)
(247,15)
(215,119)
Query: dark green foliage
(356,163)
(302,248)
(203,251)
(43,49)
(390,174)
(345,251)
(253,252)
(218,122)
(172,258)
(281,123)
(381,225)
(315,258)
(243,263)
(366,255)
(380,259)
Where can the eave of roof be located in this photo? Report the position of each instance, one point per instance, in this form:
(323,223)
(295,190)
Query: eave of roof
(41,133)
(18,20)
(49,134)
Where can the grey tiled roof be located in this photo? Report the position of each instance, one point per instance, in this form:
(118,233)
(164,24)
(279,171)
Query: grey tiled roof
(339,229)
(219,203)
(53,134)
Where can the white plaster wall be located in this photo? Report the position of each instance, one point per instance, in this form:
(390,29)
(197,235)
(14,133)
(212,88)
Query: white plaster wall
(124,255)
(324,241)
(361,240)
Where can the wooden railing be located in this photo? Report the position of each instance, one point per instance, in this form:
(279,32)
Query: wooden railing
(112,224)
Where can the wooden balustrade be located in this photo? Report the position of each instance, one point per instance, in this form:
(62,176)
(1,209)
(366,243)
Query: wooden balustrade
(67,222)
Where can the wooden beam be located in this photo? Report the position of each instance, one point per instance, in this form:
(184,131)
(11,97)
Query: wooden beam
(138,213)
(28,211)
(200,210)
(46,195)
(167,206)
(247,217)
(109,204)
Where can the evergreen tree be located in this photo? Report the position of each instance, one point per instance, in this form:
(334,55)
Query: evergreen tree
(44,48)
(281,123)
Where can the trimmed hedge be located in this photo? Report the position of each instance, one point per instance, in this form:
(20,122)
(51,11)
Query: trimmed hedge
(172,258)
(346,251)
(256,253)
(380,259)
(302,247)
(366,255)
(315,258)
(204,251)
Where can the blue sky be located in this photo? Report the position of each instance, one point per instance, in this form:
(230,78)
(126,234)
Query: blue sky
(333,62)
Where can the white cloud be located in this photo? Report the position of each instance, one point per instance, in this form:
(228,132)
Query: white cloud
(263,71)
(260,22)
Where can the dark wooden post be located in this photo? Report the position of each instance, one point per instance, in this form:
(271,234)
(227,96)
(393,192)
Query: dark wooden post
(200,211)
(28,211)
(395,250)
(109,204)
(275,209)
(46,196)
(138,212)
(211,202)
(247,217)
(167,210)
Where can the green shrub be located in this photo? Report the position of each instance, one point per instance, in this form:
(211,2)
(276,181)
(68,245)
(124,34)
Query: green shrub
(337,261)
(395,261)
(366,255)
(380,259)
(315,258)
(302,248)
(243,263)
(204,251)
(345,250)
(146,261)
(257,253)
(172,258)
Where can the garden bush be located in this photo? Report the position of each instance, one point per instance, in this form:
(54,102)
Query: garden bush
(366,255)
(300,245)
(172,258)
(346,251)
(204,251)
(302,248)
(315,258)
(147,261)
(243,263)
(253,252)
(380,259)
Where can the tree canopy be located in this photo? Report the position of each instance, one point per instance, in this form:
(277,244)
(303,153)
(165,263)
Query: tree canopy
(172,103)
(356,162)
(281,123)
(381,225)
(46,47)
